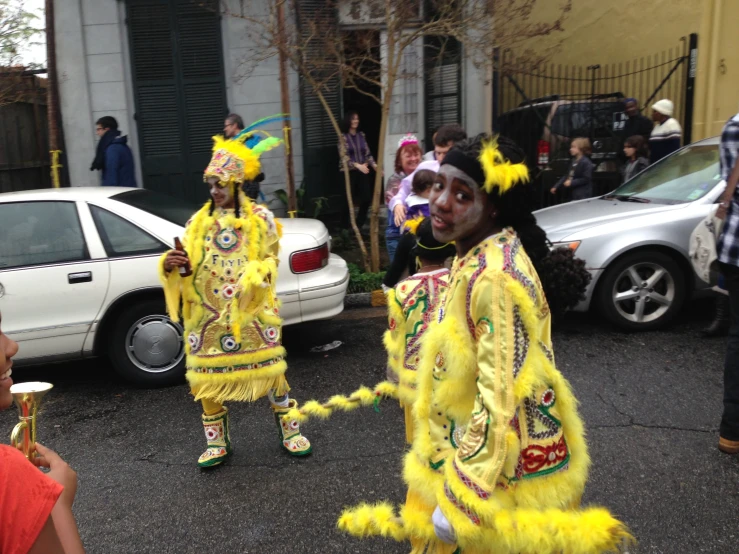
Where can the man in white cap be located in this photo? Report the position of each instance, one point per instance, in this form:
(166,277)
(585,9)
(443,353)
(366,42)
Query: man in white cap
(667,134)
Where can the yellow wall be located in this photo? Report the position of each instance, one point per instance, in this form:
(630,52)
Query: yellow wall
(612,31)
(717,78)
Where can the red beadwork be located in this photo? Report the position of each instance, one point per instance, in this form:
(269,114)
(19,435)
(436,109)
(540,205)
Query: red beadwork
(538,457)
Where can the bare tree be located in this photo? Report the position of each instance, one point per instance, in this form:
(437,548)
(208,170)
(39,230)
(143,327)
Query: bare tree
(16,31)
(316,47)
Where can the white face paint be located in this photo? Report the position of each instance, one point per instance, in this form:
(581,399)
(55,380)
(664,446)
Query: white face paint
(222,196)
(457,205)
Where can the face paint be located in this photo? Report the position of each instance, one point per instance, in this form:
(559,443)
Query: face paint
(222,195)
(459,208)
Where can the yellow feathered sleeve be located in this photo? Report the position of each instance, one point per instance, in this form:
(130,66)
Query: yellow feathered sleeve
(171,282)
(393,338)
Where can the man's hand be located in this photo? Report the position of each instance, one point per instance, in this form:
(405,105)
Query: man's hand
(399,212)
(553,190)
(723,209)
(568,182)
(363,168)
(175,258)
(59,472)
(443,528)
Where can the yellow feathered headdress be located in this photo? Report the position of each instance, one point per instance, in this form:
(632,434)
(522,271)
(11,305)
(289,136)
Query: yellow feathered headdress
(499,172)
(232,162)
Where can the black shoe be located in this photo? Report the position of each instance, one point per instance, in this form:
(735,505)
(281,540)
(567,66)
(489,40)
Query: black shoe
(722,320)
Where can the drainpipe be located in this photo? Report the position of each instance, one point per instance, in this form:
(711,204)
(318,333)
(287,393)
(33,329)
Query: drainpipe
(52,98)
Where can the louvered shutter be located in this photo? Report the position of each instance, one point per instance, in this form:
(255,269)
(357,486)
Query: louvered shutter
(443,77)
(320,154)
(177,63)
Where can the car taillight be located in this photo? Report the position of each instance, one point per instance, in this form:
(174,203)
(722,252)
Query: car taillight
(309,260)
(542,153)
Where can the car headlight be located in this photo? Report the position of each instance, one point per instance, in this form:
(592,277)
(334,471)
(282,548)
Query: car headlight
(572,245)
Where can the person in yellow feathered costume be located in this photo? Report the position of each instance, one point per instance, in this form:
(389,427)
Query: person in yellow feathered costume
(499,460)
(412,305)
(229,305)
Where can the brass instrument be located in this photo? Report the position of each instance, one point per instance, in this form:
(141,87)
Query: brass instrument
(27,397)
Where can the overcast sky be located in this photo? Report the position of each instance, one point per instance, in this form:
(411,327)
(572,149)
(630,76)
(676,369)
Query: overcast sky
(35,53)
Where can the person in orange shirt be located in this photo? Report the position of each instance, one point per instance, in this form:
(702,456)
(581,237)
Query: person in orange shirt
(35,509)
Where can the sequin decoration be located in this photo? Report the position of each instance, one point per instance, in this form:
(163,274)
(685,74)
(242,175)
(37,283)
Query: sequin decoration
(547,398)
(476,435)
(474,518)
(521,342)
(510,251)
(227,240)
(481,493)
(534,416)
(229,343)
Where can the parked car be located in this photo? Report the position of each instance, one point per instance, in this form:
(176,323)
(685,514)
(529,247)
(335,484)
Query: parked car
(78,277)
(635,240)
(544,128)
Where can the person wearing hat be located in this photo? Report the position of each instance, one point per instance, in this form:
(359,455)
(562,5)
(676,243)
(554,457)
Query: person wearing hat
(232,324)
(667,133)
(499,460)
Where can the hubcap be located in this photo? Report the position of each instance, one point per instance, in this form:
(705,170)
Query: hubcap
(154,344)
(643,292)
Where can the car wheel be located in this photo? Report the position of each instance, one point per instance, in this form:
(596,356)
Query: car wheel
(642,291)
(146,347)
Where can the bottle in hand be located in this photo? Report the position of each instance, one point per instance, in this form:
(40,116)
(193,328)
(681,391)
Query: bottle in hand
(185,270)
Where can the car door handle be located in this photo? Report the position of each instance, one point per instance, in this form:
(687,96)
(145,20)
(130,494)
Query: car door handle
(83,277)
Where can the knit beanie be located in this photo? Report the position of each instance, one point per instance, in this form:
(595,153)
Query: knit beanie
(665,107)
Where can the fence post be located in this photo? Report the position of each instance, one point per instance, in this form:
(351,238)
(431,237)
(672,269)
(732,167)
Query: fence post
(690,88)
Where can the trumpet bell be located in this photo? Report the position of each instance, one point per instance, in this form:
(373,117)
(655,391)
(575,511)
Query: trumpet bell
(27,398)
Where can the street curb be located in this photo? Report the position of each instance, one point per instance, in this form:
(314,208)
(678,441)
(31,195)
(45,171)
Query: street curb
(374,299)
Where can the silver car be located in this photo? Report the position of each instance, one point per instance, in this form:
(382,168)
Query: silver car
(635,240)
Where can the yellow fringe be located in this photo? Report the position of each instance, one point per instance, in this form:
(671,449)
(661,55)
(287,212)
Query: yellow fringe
(172,293)
(412,225)
(226,387)
(499,172)
(361,397)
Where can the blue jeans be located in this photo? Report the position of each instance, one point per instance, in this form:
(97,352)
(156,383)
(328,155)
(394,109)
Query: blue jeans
(392,246)
(729,427)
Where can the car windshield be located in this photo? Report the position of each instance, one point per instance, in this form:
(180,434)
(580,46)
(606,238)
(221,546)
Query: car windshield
(686,176)
(596,119)
(169,208)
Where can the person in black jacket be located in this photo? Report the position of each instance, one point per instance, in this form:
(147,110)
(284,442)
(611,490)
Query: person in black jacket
(580,178)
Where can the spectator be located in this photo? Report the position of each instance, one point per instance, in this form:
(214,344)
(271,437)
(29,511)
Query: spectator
(636,123)
(446,136)
(359,159)
(666,135)
(728,257)
(580,177)
(232,126)
(117,159)
(407,158)
(635,150)
(36,509)
(430,156)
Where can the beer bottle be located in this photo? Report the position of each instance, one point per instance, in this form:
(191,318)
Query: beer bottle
(185,270)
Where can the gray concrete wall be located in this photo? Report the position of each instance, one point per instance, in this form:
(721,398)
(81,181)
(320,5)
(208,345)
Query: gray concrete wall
(254,93)
(94,80)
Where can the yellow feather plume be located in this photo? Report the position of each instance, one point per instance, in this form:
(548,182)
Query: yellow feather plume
(413,224)
(499,172)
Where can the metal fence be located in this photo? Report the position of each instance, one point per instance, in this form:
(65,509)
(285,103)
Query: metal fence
(521,86)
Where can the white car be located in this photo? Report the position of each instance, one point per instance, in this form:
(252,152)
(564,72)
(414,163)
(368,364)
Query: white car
(78,277)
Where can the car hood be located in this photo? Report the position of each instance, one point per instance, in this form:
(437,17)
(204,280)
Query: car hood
(561,221)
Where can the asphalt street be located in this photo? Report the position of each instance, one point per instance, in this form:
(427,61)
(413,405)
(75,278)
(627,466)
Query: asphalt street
(651,403)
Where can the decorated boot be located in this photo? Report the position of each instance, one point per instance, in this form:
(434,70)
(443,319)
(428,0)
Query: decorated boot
(292,441)
(219,439)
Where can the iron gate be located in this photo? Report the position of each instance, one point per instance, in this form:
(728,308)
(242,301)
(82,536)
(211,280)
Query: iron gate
(528,97)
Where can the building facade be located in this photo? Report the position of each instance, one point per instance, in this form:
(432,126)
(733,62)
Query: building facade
(170,70)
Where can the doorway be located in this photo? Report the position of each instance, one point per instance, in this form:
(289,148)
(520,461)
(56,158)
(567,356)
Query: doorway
(362,47)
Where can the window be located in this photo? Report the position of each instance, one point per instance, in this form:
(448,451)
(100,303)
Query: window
(683,177)
(38,233)
(169,208)
(122,238)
